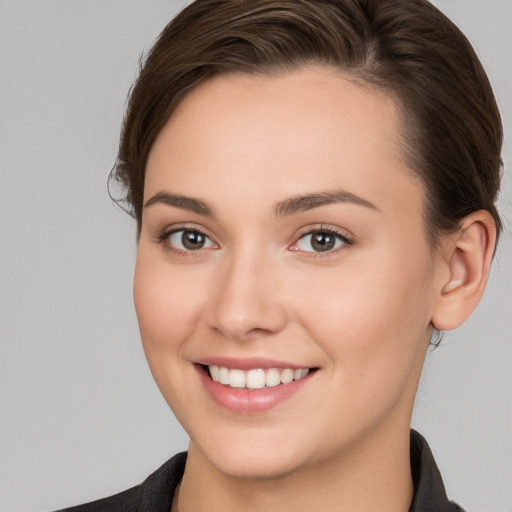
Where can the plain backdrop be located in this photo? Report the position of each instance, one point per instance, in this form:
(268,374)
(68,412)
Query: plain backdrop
(80,416)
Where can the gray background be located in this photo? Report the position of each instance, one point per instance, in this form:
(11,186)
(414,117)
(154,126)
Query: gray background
(80,416)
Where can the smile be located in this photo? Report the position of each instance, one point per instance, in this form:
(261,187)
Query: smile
(261,385)
(255,378)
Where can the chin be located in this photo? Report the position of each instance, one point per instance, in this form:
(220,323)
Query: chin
(259,457)
(264,467)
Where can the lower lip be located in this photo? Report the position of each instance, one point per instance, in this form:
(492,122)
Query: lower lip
(249,401)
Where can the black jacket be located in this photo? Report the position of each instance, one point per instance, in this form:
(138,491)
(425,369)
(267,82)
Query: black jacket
(155,494)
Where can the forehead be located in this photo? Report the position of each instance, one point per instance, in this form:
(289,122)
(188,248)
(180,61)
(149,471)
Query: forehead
(313,129)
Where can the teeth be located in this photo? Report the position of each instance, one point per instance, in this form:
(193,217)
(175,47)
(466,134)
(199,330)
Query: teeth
(215,371)
(224,376)
(287,376)
(237,378)
(298,374)
(272,378)
(257,378)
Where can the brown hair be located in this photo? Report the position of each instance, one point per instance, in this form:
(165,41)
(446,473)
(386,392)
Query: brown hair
(452,132)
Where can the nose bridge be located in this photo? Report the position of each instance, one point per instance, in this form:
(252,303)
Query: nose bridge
(246,301)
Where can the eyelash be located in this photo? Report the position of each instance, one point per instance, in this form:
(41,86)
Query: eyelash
(163,239)
(346,242)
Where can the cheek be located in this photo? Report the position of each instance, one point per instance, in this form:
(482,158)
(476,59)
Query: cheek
(373,326)
(168,307)
(384,296)
(168,310)
(371,317)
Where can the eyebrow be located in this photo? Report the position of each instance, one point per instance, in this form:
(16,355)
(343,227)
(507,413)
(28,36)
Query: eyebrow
(186,203)
(306,202)
(290,206)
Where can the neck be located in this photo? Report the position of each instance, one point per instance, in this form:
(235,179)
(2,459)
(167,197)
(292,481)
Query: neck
(374,474)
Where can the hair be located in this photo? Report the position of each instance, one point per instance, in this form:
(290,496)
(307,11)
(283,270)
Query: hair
(451,131)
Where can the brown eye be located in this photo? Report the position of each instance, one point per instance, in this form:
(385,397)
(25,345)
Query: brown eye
(321,241)
(192,240)
(189,240)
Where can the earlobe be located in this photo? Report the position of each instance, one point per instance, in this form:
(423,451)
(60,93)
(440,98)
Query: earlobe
(467,260)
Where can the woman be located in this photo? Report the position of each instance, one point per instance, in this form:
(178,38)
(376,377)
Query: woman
(314,186)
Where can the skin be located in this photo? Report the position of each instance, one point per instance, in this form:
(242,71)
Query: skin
(362,313)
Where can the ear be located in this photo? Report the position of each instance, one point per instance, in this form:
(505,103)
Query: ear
(465,263)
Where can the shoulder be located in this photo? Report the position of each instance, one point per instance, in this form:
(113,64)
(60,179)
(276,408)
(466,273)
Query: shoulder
(153,495)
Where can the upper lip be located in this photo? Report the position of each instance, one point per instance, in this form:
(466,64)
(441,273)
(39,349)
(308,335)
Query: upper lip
(249,363)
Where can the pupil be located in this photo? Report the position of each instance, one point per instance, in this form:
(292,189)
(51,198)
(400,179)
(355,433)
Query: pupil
(322,242)
(192,240)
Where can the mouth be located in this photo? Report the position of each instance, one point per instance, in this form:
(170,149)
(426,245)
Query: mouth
(252,385)
(256,378)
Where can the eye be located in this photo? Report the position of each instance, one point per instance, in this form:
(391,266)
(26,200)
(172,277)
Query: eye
(189,240)
(320,240)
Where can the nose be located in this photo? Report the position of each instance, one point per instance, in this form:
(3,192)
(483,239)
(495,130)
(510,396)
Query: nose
(246,300)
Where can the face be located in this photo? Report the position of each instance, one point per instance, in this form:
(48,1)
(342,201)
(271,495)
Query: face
(283,252)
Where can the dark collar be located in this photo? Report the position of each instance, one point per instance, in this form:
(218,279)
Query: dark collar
(429,491)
